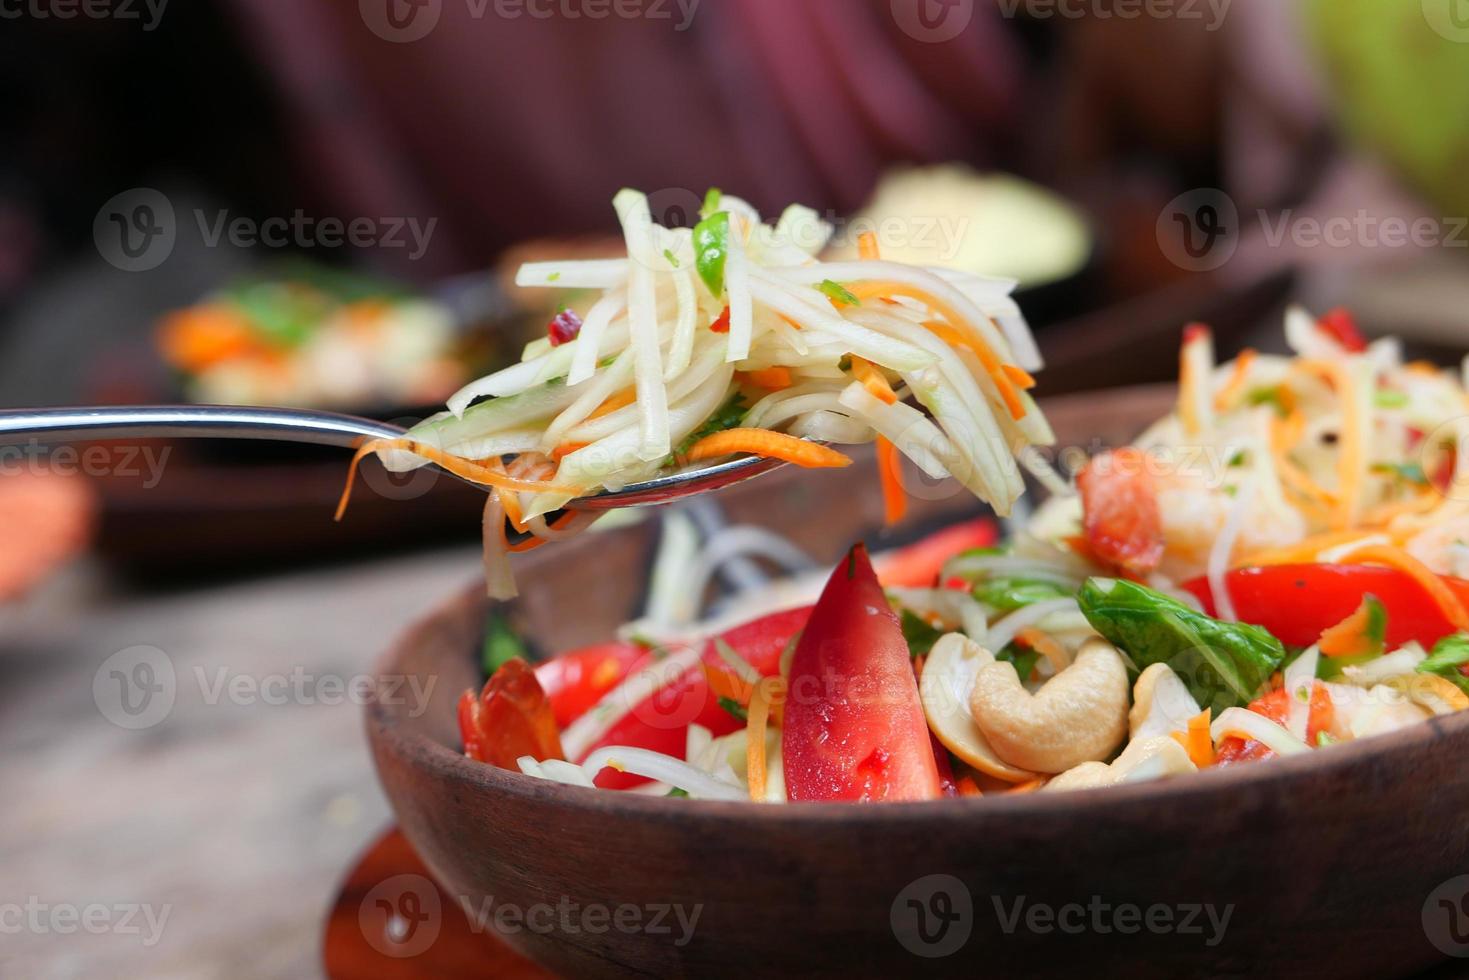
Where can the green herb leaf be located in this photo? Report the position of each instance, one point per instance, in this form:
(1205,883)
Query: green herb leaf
(677,793)
(672,259)
(554,277)
(501,645)
(1023,659)
(734,708)
(1268,396)
(711,248)
(1009,594)
(1449,654)
(920,635)
(837,292)
(1222,664)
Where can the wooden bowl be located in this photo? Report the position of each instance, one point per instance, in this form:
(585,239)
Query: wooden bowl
(1324,865)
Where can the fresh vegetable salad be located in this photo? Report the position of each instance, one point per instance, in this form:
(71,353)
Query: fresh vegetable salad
(1273,569)
(732,338)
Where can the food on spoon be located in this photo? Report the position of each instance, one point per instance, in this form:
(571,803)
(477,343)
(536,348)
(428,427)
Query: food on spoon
(1304,592)
(733,338)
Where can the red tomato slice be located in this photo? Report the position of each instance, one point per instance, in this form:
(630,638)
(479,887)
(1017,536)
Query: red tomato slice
(576,680)
(918,565)
(661,722)
(1297,603)
(1122,523)
(854,727)
(1276,707)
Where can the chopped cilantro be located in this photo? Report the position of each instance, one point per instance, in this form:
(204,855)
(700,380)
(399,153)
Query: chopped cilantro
(1387,398)
(501,645)
(920,635)
(734,708)
(677,793)
(1407,472)
(554,277)
(672,259)
(727,416)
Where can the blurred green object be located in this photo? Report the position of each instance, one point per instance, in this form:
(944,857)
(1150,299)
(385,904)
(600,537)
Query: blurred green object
(1399,75)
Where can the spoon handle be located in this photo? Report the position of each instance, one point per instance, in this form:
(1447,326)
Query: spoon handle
(190,421)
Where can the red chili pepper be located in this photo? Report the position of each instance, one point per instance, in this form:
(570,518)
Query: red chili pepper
(563,328)
(1341,326)
(721,325)
(1122,522)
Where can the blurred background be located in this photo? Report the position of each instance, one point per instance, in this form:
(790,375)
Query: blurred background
(322,203)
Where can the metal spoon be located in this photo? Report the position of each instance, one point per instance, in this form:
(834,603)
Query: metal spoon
(322,429)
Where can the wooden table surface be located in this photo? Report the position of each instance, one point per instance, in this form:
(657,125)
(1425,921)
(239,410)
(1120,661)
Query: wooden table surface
(235,818)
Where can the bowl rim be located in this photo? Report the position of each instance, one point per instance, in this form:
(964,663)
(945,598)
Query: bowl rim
(385,723)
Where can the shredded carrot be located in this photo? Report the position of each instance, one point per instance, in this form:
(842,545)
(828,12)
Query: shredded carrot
(1284,434)
(755,725)
(890,474)
(867,246)
(1225,398)
(1189,382)
(566,449)
(1018,376)
(1197,741)
(460,467)
(727,684)
(968,787)
(992,366)
(510,501)
(1442,595)
(771,379)
(873,380)
(763,442)
(1303,551)
(532,543)
(622,399)
(1384,514)
(971,337)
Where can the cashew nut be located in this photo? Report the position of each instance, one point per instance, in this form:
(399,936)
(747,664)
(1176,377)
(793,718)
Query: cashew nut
(1077,716)
(948,676)
(1150,758)
(1160,704)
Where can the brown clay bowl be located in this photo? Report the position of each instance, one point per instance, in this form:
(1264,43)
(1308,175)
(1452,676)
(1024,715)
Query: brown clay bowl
(1325,864)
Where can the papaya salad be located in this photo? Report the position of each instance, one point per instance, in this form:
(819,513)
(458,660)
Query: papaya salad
(1275,568)
(734,338)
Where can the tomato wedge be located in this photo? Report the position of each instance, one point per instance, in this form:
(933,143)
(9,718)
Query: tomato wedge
(1297,603)
(578,679)
(854,728)
(1276,707)
(918,565)
(1341,326)
(1122,523)
(510,718)
(661,722)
